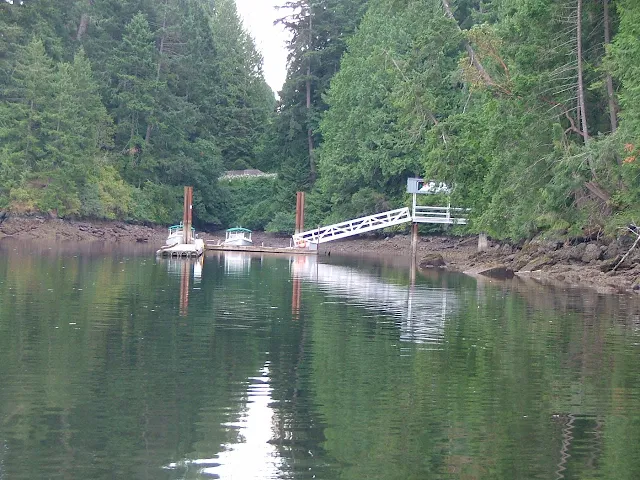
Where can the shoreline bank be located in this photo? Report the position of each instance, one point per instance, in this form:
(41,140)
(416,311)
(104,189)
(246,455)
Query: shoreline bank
(588,263)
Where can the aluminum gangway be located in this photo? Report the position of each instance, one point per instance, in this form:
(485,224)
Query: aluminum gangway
(354,227)
(421,214)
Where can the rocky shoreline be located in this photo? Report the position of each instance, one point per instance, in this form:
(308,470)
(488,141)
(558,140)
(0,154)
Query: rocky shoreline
(41,228)
(589,263)
(595,263)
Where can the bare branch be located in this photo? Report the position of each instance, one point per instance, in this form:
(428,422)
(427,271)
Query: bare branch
(633,229)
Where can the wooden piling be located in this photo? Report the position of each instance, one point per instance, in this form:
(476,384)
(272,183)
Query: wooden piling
(414,240)
(187,214)
(299,212)
(483,243)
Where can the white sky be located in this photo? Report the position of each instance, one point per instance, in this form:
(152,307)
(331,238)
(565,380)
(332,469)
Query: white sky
(258,17)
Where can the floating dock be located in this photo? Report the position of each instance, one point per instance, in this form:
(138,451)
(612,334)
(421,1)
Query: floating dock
(260,249)
(183,250)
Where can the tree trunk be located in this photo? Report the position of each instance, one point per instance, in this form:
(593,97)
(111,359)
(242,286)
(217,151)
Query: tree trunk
(147,137)
(29,126)
(82,28)
(613,108)
(472,54)
(312,163)
(581,102)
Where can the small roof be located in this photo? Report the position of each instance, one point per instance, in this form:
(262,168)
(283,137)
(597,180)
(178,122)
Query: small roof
(239,229)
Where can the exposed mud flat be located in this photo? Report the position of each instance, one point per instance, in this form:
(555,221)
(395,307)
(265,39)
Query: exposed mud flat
(581,263)
(42,228)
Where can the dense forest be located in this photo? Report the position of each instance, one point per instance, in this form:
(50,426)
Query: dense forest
(109,107)
(528,108)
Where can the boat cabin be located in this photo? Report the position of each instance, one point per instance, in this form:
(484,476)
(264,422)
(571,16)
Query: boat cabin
(238,236)
(176,234)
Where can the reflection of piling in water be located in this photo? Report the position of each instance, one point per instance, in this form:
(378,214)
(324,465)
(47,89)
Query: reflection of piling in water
(567,437)
(296,298)
(184,289)
(412,272)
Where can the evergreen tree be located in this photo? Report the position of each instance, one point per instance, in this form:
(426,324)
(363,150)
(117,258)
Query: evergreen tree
(394,84)
(319,31)
(26,117)
(625,54)
(135,85)
(241,104)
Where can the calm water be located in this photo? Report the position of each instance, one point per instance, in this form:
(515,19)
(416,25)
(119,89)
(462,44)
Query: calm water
(114,365)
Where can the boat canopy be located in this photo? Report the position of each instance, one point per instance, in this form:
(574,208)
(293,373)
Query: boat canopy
(238,229)
(175,228)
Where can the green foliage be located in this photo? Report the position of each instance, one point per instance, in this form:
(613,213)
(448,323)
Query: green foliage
(135,78)
(483,102)
(282,223)
(156,203)
(381,102)
(110,117)
(249,201)
(625,60)
(319,31)
(106,195)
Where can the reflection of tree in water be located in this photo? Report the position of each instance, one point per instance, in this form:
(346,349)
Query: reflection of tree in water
(121,376)
(132,385)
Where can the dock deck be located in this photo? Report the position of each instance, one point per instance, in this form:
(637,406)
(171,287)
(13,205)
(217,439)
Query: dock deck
(259,249)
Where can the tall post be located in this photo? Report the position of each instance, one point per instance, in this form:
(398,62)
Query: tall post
(414,204)
(414,240)
(187,213)
(299,212)
(483,243)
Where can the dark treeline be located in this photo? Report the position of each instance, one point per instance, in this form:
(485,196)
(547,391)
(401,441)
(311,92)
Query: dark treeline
(529,108)
(109,107)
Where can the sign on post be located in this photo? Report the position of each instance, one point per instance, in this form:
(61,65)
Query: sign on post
(426,187)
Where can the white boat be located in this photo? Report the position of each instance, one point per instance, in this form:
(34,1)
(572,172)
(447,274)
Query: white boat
(175,246)
(176,234)
(238,237)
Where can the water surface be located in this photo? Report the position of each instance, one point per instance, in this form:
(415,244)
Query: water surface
(116,365)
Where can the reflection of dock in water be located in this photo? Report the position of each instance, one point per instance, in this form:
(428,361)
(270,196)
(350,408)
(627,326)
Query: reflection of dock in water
(421,312)
(236,263)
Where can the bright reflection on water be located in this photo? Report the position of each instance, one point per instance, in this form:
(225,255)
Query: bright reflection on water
(252,456)
(114,364)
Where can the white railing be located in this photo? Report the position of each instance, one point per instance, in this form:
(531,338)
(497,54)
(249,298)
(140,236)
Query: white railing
(354,227)
(442,215)
(421,214)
